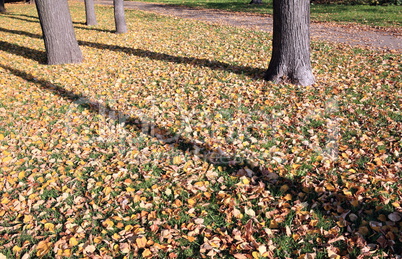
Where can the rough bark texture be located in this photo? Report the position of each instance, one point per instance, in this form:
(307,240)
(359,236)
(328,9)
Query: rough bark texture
(119,17)
(90,13)
(2,7)
(58,32)
(291,43)
(256,2)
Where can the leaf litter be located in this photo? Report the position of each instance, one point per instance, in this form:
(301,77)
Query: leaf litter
(166,143)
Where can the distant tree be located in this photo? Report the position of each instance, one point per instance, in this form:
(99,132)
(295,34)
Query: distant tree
(2,7)
(291,43)
(119,17)
(90,13)
(58,32)
(256,2)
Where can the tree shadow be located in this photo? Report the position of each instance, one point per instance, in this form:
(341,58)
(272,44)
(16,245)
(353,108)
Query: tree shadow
(255,73)
(14,16)
(93,29)
(29,53)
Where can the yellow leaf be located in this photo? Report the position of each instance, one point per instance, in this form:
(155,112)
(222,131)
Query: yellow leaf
(116,236)
(147,253)
(190,238)
(129,189)
(67,253)
(191,202)
(178,203)
(73,242)
(97,240)
(43,248)
(341,223)
(329,187)
(27,218)
(177,160)
(107,190)
(1,137)
(17,249)
(288,197)
(273,224)
(256,255)
(21,175)
(141,242)
(108,223)
(49,227)
(69,162)
(354,203)
(7,159)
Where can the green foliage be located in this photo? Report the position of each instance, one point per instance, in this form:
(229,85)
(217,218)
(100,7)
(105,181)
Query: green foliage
(358,2)
(386,16)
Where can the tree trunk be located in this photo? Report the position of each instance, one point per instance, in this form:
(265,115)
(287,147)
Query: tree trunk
(2,7)
(119,18)
(256,2)
(291,43)
(58,32)
(90,13)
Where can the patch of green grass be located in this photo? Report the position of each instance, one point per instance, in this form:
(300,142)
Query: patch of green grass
(384,16)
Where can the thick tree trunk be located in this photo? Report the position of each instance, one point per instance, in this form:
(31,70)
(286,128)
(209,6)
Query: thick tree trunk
(2,7)
(291,43)
(256,2)
(58,32)
(119,18)
(90,13)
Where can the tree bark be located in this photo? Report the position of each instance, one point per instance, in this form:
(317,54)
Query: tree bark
(58,32)
(119,17)
(90,13)
(256,2)
(291,43)
(2,7)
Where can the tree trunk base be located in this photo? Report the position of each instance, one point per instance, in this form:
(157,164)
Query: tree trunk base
(303,76)
(290,61)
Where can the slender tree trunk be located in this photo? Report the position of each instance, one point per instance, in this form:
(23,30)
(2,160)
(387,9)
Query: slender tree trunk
(90,13)
(119,18)
(2,7)
(291,43)
(58,32)
(256,2)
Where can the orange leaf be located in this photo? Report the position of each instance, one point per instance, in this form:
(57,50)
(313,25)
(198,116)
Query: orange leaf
(141,242)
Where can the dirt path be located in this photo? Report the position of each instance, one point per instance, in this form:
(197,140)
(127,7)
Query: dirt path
(353,35)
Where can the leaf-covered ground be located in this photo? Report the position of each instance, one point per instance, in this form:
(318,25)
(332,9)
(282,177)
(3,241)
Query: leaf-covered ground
(166,143)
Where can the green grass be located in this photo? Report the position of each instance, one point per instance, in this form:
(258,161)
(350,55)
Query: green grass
(383,16)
